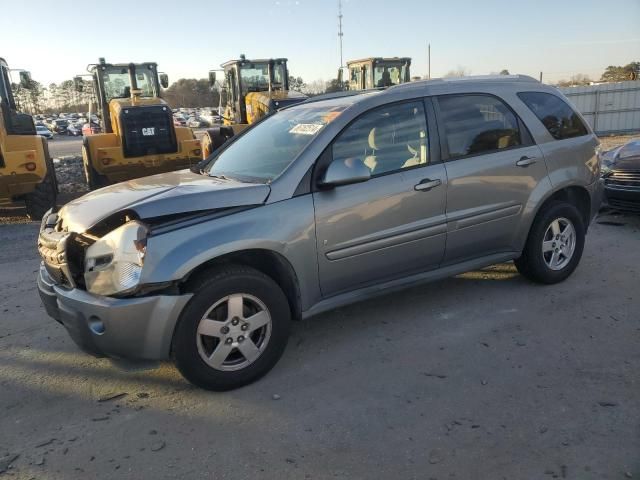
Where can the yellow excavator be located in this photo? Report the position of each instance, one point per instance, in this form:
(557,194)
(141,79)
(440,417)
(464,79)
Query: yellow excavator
(139,137)
(251,89)
(26,169)
(376,72)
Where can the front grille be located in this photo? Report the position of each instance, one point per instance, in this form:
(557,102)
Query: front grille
(623,178)
(57,274)
(52,242)
(148,130)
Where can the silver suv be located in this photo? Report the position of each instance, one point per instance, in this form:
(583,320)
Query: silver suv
(322,204)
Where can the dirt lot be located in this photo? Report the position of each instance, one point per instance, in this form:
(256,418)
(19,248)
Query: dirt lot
(482,376)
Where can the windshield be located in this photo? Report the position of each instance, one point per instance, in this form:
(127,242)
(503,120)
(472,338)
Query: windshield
(254,77)
(117,83)
(388,75)
(266,150)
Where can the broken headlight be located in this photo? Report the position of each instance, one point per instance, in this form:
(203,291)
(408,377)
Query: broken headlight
(113,264)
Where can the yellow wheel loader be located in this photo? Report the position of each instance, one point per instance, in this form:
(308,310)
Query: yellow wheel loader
(139,137)
(26,169)
(376,72)
(251,90)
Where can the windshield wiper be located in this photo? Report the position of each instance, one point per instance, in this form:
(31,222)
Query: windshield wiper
(199,167)
(221,177)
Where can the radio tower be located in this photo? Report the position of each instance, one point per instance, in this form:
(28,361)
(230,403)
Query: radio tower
(340,34)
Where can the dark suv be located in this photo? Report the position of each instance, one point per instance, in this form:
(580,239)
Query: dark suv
(325,203)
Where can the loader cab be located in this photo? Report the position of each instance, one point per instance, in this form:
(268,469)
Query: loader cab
(128,82)
(377,72)
(15,123)
(242,77)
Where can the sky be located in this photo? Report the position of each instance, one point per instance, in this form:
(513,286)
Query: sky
(188,38)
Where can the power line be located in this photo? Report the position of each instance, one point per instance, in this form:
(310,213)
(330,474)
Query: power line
(340,34)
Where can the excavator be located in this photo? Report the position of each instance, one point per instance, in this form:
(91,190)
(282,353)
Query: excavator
(251,89)
(27,175)
(376,72)
(139,137)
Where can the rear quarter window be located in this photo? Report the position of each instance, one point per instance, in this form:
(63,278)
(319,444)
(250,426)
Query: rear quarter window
(560,120)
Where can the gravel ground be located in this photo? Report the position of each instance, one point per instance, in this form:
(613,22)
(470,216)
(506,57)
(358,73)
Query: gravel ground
(482,376)
(70,175)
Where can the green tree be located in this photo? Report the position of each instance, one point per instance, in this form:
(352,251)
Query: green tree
(191,93)
(504,72)
(613,73)
(334,85)
(296,84)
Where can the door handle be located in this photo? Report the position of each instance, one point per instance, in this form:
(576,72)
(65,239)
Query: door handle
(427,184)
(526,161)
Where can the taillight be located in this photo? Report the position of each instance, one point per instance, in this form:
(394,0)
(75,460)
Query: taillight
(31,166)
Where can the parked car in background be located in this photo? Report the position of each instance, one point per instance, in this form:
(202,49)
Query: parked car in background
(324,203)
(179,121)
(621,176)
(43,131)
(59,126)
(91,128)
(194,122)
(74,130)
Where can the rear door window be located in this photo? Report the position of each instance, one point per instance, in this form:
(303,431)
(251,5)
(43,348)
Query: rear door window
(475,124)
(555,114)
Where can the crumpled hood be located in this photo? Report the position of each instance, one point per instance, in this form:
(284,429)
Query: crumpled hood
(158,195)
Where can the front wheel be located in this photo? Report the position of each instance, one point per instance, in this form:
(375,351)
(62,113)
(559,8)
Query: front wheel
(234,329)
(554,246)
(45,194)
(93,178)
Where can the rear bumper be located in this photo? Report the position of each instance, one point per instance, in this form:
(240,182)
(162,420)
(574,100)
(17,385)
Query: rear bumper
(133,328)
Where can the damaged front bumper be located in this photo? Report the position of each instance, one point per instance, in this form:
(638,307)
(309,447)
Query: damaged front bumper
(132,328)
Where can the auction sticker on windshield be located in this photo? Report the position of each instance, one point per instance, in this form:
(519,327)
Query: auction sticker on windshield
(306,129)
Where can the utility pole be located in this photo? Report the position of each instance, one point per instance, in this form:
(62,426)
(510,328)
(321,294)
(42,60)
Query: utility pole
(340,34)
(540,77)
(429,61)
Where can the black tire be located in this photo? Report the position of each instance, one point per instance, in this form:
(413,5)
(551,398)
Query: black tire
(214,138)
(93,178)
(46,192)
(532,263)
(211,288)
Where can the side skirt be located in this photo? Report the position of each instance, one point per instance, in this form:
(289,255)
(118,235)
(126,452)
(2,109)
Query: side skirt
(402,283)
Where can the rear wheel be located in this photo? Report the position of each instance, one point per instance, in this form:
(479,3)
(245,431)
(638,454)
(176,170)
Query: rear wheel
(234,329)
(44,196)
(554,246)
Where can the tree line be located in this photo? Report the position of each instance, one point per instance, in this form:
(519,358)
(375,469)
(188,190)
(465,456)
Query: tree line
(196,93)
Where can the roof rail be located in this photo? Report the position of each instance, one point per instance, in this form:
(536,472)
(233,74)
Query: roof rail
(469,78)
(341,94)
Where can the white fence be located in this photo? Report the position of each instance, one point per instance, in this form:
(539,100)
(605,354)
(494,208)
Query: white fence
(609,108)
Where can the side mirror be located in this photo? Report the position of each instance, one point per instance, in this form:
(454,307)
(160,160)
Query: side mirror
(345,172)
(25,79)
(212,79)
(78,84)
(164,80)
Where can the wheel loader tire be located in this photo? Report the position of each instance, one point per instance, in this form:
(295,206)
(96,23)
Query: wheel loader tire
(214,138)
(44,196)
(93,178)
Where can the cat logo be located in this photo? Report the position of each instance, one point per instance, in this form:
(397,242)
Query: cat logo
(149,132)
